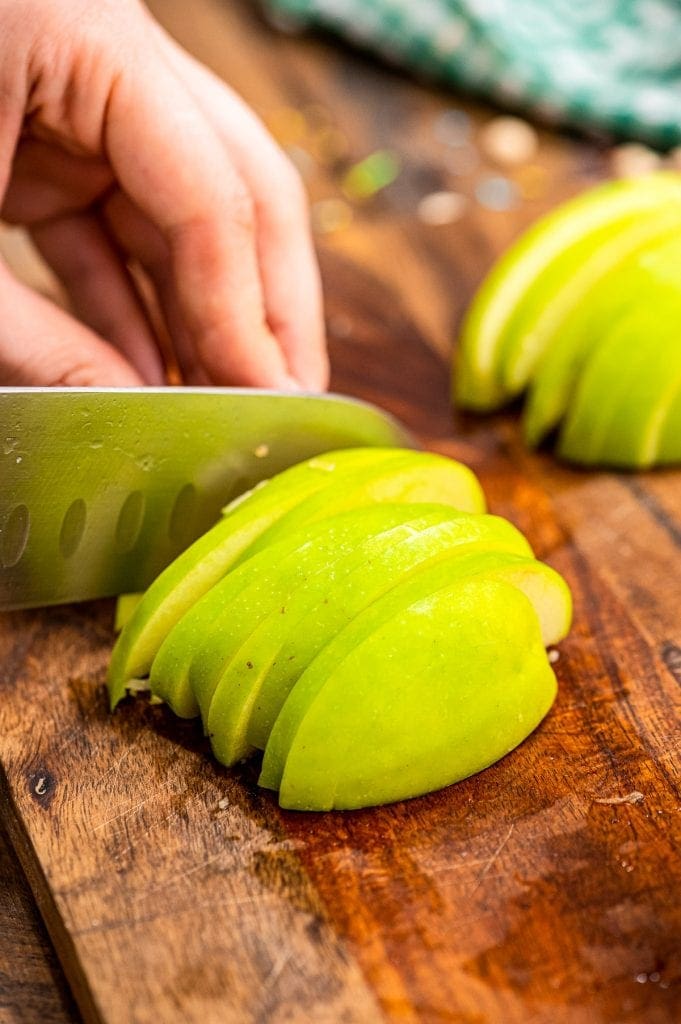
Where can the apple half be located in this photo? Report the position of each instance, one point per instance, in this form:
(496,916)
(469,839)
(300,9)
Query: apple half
(312,611)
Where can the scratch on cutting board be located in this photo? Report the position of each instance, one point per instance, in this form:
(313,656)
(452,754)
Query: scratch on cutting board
(123,814)
(135,807)
(635,797)
(493,859)
(181,875)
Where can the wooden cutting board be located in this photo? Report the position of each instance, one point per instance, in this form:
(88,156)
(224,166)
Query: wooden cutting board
(546,889)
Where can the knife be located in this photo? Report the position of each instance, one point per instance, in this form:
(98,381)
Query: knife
(102,488)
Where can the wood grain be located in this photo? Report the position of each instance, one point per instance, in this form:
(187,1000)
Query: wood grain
(32,986)
(539,892)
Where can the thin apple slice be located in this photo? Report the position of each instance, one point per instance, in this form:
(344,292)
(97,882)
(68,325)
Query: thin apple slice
(250,688)
(230,610)
(568,284)
(651,275)
(625,391)
(413,477)
(445,688)
(206,561)
(125,607)
(538,581)
(477,384)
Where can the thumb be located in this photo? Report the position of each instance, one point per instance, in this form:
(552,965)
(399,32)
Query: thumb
(41,345)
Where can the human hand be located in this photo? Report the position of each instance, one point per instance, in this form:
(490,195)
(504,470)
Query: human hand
(118,149)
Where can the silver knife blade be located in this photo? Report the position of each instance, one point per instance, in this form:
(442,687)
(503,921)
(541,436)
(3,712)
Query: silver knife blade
(101,488)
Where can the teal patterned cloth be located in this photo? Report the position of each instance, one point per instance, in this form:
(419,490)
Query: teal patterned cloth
(604,65)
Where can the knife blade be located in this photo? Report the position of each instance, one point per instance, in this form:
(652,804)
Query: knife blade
(101,488)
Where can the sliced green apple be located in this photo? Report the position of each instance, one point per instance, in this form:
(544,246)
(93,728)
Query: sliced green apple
(650,275)
(251,686)
(397,718)
(228,612)
(413,477)
(538,581)
(206,561)
(569,282)
(625,391)
(478,384)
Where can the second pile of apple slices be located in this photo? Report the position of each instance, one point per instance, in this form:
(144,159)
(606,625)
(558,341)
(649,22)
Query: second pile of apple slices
(370,629)
(584,312)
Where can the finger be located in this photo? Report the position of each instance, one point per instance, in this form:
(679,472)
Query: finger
(286,254)
(100,288)
(12,104)
(41,345)
(136,235)
(48,181)
(175,170)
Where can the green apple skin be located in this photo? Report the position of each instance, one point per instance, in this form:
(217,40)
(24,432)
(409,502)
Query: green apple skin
(476,382)
(228,611)
(421,587)
(625,391)
(669,446)
(405,477)
(650,275)
(206,561)
(567,285)
(448,686)
(547,590)
(282,650)
(125,608)
(251,688)
(552,389)
(413,477)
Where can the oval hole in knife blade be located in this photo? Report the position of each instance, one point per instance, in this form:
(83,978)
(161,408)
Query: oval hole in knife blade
(72,528)
(14,536)
(181,526)
(129,522)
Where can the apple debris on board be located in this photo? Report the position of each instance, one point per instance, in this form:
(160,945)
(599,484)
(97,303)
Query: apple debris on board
(362,620)
(583,314)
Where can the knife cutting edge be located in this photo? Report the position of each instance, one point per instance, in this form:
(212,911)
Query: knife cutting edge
(101,488)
